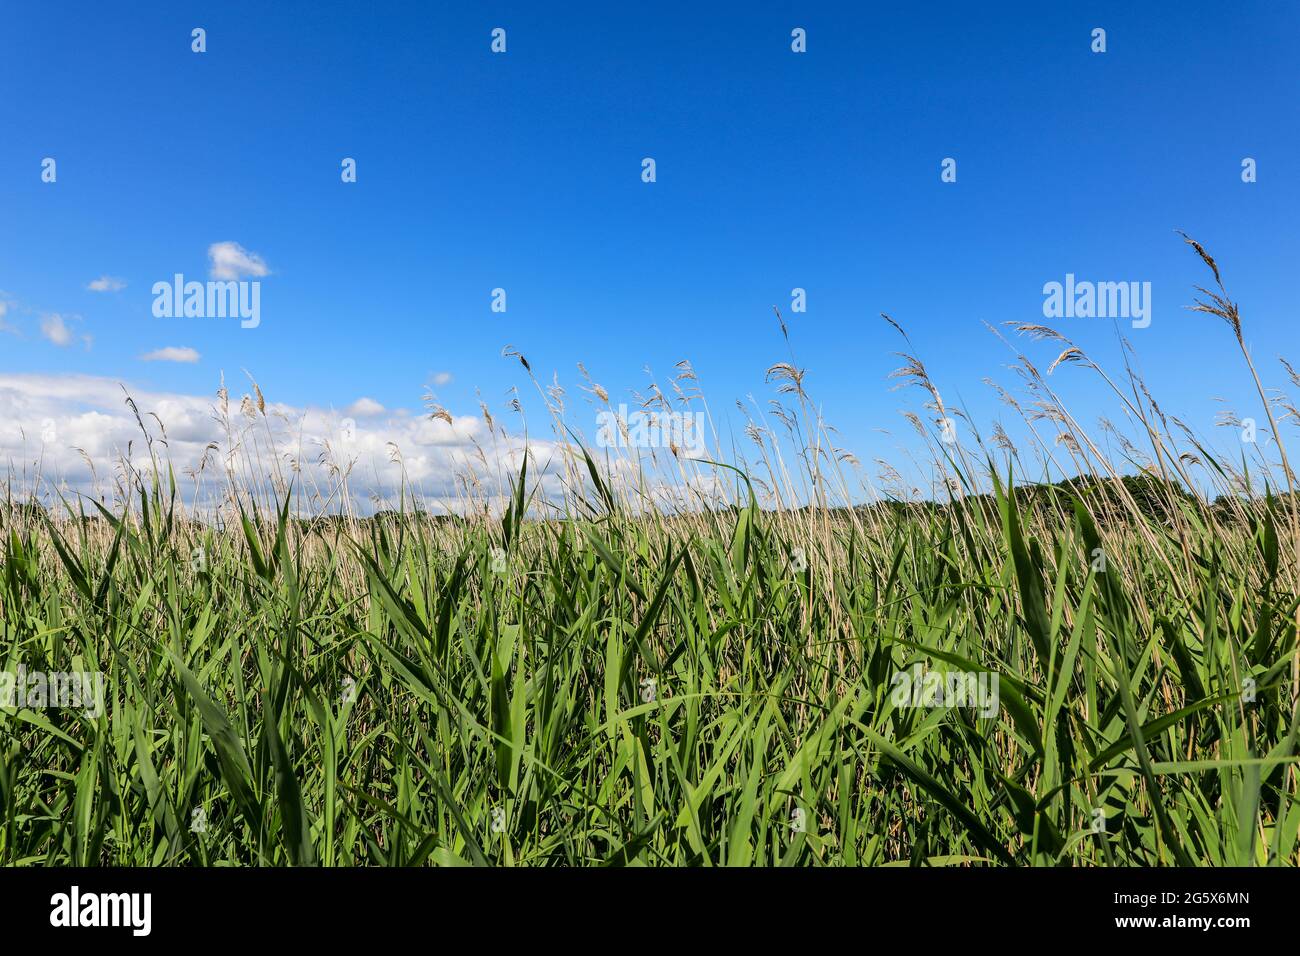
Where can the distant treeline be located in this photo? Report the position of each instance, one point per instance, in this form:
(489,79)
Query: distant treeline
(1155,498)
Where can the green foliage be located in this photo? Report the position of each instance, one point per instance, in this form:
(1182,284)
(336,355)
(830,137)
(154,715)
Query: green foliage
(628,690)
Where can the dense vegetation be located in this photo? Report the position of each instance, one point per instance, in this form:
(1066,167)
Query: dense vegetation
(616,685)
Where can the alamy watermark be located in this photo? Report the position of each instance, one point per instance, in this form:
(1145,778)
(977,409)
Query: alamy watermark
(214,299)
(1102,300)
(918,687)
(66,690)
(683,431)
(77,908)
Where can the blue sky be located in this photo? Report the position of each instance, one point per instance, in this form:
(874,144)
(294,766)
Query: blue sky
(775,170)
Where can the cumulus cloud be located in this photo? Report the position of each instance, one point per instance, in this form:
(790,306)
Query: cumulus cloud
(92,431)
(230,260)
(107,284)
(171,353)
(365,407)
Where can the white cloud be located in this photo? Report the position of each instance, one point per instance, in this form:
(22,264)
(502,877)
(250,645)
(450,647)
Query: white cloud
(230,260)
(364,407)
(314,448)
(107,284)
(442,378)
(171,353)
(56,330)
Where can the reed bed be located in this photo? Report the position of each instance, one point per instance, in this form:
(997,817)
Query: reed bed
(611,657)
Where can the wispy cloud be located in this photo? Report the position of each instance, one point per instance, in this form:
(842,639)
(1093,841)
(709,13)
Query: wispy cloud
(55,328)
(442,378)
(171,353)
(107,284)
(230,260)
